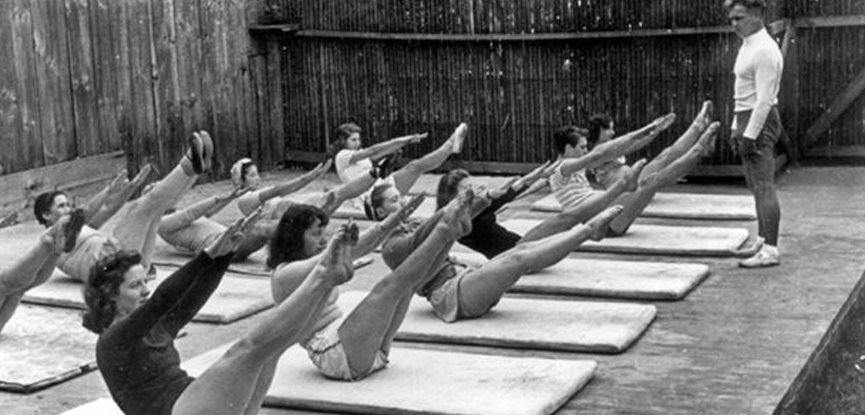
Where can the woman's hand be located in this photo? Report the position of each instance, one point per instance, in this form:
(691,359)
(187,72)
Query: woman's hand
(230,240)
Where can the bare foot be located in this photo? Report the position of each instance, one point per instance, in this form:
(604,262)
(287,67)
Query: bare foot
(53,237)
(457,214)
(704,117)
(601,222)
(72,229)
(336,263)
(207,155)
(195,154)
(632,174)
(706,143)
(458,137)
(666,121)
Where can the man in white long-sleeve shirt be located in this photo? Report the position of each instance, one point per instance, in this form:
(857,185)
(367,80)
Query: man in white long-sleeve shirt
(756,122)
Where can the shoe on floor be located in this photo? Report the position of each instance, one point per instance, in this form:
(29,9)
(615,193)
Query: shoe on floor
(768,256)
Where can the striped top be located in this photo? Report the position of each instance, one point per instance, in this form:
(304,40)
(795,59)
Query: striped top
(570,190)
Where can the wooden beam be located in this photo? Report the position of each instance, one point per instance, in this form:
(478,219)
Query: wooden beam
(273,29)
(293,30)
(732,170)
(790,92)
(839,105)
(17,190)
(831,21)
(830,382)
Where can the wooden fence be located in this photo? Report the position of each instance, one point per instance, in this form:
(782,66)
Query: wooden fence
(85,77)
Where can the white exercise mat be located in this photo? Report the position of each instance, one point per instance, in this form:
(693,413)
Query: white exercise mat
(607,278)
(426,382)
(682,206)
(43,346)
(658,239)
(235,298)
(576,326)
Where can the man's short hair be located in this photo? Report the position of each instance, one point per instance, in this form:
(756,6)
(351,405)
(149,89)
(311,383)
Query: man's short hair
(758,6)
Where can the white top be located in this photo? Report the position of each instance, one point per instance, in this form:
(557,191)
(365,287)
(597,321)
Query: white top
(570,190)
(758,77)
(348,171)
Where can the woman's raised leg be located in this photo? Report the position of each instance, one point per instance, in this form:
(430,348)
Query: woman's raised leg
(370,326)
(683,143)
(635,202)
(238,381)
(480,289)
(587,209)
(137,229)
(406,177)
(31,269)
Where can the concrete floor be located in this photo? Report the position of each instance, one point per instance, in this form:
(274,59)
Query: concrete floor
(732,346)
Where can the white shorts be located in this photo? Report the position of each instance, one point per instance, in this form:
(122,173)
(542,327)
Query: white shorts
(326,352)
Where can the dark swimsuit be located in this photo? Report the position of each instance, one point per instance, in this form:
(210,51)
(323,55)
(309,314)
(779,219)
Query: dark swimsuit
(137,356)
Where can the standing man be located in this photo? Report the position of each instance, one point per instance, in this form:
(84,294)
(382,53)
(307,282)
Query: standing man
(756,122)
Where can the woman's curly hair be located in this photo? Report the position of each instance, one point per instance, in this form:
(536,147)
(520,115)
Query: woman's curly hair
(286,245)
(102,286)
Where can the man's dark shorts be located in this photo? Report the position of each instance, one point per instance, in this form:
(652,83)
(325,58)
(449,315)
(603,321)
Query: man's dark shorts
(770,134)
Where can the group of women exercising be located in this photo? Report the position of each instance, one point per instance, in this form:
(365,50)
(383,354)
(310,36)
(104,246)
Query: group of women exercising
(135,351)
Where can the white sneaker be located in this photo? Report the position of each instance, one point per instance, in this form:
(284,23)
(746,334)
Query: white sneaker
(767,257)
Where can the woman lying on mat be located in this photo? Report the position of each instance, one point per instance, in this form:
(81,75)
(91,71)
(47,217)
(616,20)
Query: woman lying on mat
(190,229)
(354,346)
(403,179)
(459,292)
(352,161)
(135,350)
(666,169)
(37,264)
(139,220)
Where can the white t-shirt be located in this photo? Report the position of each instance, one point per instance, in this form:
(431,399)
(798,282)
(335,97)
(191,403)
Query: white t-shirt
(348,171)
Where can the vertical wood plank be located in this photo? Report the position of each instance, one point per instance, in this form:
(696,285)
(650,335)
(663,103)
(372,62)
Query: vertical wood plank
(166,89)
(52,70)
(84,99)
(104,32)
(10,114)
(145,141)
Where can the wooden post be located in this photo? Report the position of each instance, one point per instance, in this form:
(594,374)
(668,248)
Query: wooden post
(789,99)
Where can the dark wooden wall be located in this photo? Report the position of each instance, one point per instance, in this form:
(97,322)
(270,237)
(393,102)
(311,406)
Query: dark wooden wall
(85,77)
(829,59)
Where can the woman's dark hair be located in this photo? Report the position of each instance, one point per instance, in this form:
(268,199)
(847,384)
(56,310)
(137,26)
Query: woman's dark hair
(43,204)
(374,201)
(343,132)
(449,186)
(567,135)
(286,245)
(102,286)
(597,123)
